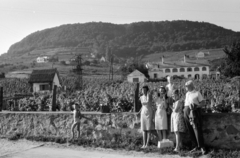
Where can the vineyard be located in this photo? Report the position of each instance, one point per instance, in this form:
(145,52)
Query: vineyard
(220,96)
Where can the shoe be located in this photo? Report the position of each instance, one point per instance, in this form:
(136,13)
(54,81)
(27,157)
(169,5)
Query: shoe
(203,150)
(194,149)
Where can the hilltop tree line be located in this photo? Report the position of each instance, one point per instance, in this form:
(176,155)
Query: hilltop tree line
(133,39)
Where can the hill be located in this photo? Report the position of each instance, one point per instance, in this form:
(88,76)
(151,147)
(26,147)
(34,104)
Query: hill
(141,38)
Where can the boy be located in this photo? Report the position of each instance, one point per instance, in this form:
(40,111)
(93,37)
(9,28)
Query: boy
(76,117)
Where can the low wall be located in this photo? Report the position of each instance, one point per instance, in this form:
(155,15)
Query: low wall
(220,130)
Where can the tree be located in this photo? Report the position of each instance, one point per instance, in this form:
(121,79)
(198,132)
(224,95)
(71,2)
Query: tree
(230,66)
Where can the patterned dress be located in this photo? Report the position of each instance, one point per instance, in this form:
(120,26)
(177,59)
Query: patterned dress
(161,115)
(177,120)
(146,113)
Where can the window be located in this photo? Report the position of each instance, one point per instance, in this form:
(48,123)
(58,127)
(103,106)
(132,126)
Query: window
(155,75)
(167,70)
(135,79)
(189,69)
(175,70)
(182,70)
(189,76)
(196,69)
(204,69)
(44,87)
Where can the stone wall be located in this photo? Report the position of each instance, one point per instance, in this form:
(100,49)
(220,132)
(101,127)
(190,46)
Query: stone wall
(220,130)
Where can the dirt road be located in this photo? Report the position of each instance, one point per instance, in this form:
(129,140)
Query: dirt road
(28,149)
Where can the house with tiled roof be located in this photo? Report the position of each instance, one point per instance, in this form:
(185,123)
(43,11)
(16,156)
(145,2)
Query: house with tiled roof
(202,54)
(196,69)
(44,80)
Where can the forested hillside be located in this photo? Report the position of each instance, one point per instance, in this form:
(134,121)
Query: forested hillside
(133,39)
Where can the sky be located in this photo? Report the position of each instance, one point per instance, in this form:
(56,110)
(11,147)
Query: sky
(19,18)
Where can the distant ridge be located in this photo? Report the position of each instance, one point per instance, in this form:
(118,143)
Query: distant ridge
(139,38)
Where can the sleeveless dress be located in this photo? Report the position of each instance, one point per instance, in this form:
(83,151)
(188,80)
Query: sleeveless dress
(146,114)
(161,115)
(177,120)
(170,89)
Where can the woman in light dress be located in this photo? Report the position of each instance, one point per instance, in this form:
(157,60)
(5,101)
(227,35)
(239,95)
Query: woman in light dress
(177,120)
(146,115)
(161,115)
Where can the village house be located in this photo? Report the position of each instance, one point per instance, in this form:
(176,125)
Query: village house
(43,59)
(197,69)
(136,76)
(44,80)
(102,59)
(202,54)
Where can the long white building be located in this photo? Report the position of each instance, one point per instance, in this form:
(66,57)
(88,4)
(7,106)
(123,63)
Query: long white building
(197,69)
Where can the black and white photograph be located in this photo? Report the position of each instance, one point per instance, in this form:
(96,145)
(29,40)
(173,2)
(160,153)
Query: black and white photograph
(119,79)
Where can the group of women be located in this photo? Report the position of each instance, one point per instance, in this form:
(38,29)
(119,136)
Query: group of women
(154,113)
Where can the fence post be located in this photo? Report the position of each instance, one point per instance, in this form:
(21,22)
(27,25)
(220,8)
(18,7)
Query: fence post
(54,98)
(136,98)
(1,98)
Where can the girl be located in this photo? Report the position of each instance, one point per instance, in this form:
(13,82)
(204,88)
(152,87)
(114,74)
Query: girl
(76,118)
(146,115)
(177,120)
(161,115)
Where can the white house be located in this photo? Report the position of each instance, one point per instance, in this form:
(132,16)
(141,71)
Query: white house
(44,80)
(187,68)
(136,76)
(202,54)
(102,59)
(42,59)
(214,74)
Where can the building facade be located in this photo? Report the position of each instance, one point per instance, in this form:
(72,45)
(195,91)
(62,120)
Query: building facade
(186,68)
(42,59)
(136,76)
(44,80)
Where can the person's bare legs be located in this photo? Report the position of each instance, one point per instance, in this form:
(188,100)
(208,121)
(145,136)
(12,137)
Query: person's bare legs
(148,138)
(177,141)
(144,139)
(72,130)
(159,135)
(164,134)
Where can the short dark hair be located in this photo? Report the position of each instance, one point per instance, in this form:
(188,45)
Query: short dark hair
(176,91)
(146,87)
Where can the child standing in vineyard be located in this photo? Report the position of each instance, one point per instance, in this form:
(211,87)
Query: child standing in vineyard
(76,117)
(177,120)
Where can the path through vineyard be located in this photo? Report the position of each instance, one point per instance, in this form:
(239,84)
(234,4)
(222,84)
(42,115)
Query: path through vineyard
(27,149)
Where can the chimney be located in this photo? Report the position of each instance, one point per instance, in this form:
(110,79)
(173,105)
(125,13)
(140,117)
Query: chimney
(162,59)
(184,58)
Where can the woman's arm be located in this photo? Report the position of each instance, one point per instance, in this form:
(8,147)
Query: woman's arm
(177,107)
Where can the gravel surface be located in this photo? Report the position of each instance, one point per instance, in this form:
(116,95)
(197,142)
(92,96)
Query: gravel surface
(8,147)
(28,149)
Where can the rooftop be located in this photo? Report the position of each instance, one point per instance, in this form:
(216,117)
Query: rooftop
(44,75)
(178,64)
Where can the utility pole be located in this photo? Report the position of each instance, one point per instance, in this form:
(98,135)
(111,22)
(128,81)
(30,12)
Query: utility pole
(78,70)
(110,62)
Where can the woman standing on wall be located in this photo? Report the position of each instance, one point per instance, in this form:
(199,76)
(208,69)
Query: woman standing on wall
(161,115)
(146,115)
